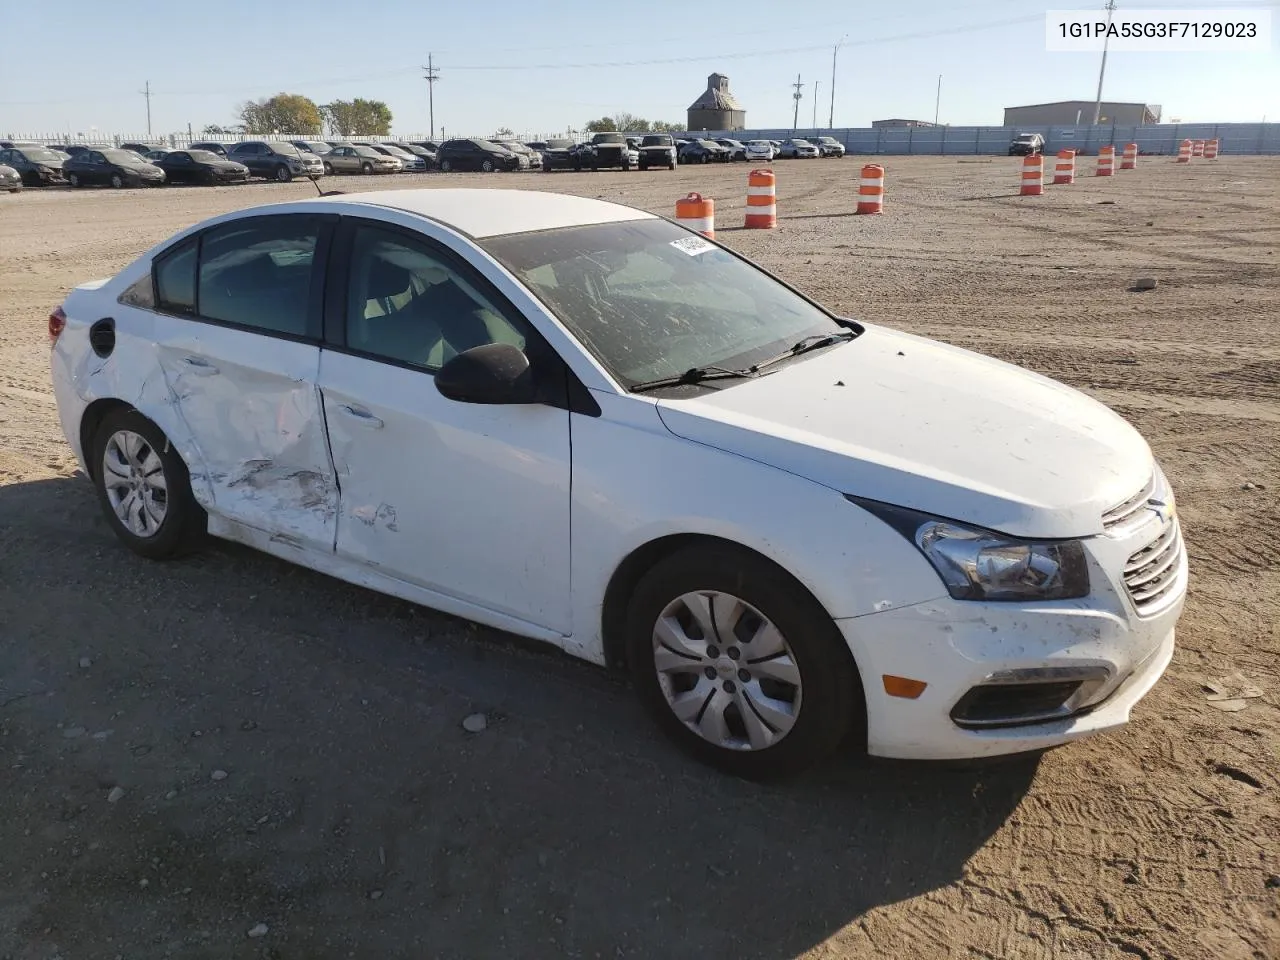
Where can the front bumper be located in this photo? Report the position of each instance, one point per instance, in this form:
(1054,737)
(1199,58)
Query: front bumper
(955,645)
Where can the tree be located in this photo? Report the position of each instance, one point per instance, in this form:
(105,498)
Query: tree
(283,113)
(504,133)
(630,123)
(358,117)
(603,125)
(659,126)
(213,130)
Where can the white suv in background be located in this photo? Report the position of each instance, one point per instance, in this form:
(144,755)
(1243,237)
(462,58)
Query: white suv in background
(761,150)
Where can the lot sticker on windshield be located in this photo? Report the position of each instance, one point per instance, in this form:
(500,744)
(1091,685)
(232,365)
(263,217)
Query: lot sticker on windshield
(693,245)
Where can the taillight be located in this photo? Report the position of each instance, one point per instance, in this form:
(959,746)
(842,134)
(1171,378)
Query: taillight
(57,323)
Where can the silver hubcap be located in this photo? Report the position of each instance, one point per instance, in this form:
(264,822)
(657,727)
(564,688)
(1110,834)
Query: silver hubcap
(726,671)
(133,476)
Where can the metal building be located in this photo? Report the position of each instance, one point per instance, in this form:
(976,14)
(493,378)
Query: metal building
(717,108)
(878,124)
(1069,112)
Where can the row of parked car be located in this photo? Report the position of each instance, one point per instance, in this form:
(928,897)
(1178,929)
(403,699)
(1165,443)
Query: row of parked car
(212,162)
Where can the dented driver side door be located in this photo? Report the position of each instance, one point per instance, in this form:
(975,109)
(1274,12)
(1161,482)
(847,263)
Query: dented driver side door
(240,355)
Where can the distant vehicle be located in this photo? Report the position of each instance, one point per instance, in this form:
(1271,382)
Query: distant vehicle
(312,146)
(515,146)
(829,146)
(75,149)
(359,158)
(201,166)
(115,167)
(10,144)
(657,150)
(141,149)
(797,148)
(37,166)
(607,150)
(737,149)
(477,154)
(409,162)
(276,160)
(210,146)
(10,179)
(151,156)
(432,146)
(556,154)
(1026,144)
(428,156)
(703,151)
(761,150)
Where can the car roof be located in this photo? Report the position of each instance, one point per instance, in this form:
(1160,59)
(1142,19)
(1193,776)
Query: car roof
(492,212)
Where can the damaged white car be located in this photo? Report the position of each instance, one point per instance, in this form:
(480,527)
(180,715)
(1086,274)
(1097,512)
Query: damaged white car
(581,423)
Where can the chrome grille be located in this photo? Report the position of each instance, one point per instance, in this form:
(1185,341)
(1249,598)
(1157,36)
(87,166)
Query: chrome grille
(1151,574)
(1131,512)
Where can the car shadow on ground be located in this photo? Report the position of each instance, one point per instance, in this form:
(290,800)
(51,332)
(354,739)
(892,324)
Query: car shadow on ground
(291,754)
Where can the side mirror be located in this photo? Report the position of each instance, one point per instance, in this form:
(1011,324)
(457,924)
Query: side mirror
(491,373)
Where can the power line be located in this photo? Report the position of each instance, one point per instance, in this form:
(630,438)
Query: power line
(795,120)
(1097,107)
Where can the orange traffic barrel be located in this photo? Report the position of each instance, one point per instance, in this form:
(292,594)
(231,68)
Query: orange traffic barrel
(871,189)
(762,209)
(1197,148)
(697,214)
(1184,152)
(1106,161)
(1064,167)
(1130,161)
(1211,149)
(1032,175)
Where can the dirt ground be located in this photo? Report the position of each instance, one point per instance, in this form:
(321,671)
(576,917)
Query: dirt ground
(356,818)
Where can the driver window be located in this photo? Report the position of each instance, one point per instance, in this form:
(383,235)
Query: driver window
(407,304)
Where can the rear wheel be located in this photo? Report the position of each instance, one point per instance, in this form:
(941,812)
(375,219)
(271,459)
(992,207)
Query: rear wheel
(74,180)
(446,166)
(739,664)
(144,487)
(328,169)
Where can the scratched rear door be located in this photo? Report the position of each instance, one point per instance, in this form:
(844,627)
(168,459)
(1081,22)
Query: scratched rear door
(242,368)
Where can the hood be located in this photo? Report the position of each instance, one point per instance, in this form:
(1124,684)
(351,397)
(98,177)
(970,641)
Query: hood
(920,424)
(226,165)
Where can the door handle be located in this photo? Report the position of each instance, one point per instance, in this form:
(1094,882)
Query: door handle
(199,366)
(361,416)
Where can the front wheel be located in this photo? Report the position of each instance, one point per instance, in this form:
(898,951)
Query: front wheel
(74,180)
(283,173)
(117,181)
(739,664)
(366,168)
(144,487)
(486,166)
(446,166)
(328,170)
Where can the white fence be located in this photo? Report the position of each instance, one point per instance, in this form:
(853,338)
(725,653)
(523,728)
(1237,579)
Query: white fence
(1234,138)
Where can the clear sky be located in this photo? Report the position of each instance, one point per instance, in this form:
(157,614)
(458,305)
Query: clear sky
(76,65)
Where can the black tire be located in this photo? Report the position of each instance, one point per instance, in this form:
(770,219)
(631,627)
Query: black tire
(74,180)
(117,181)
(446,166)
(283,173)
(832,702)
(671,164)
(486,166)
(643,166)
(366,168)
(184,524)
(328,169)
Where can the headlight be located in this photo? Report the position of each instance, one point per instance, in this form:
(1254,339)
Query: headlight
(978,564)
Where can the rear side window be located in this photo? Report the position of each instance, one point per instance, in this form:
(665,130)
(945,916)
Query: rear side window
(259,273)
(175,275)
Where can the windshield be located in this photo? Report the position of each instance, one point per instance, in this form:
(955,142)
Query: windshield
(366,152)
(802,143)
(649,299)
(608,138)
(43,156)
(126,158)
(657,141)
(559,144)
(285,149)
(1026,137)
(203,156)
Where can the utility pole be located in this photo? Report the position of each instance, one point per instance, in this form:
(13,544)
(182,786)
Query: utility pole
(815,105)
(831,117)
(1097,107)
(431,75)
(795,117)
(937,101)
(146,92)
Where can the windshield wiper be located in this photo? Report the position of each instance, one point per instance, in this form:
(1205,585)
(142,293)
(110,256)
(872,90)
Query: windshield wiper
(692,375)
(815,342)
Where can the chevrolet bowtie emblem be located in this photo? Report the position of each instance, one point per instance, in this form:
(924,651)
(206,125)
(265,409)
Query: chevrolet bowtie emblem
(1165,511)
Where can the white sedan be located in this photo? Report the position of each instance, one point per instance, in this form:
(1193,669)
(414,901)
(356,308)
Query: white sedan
(761,150)
(581,423)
